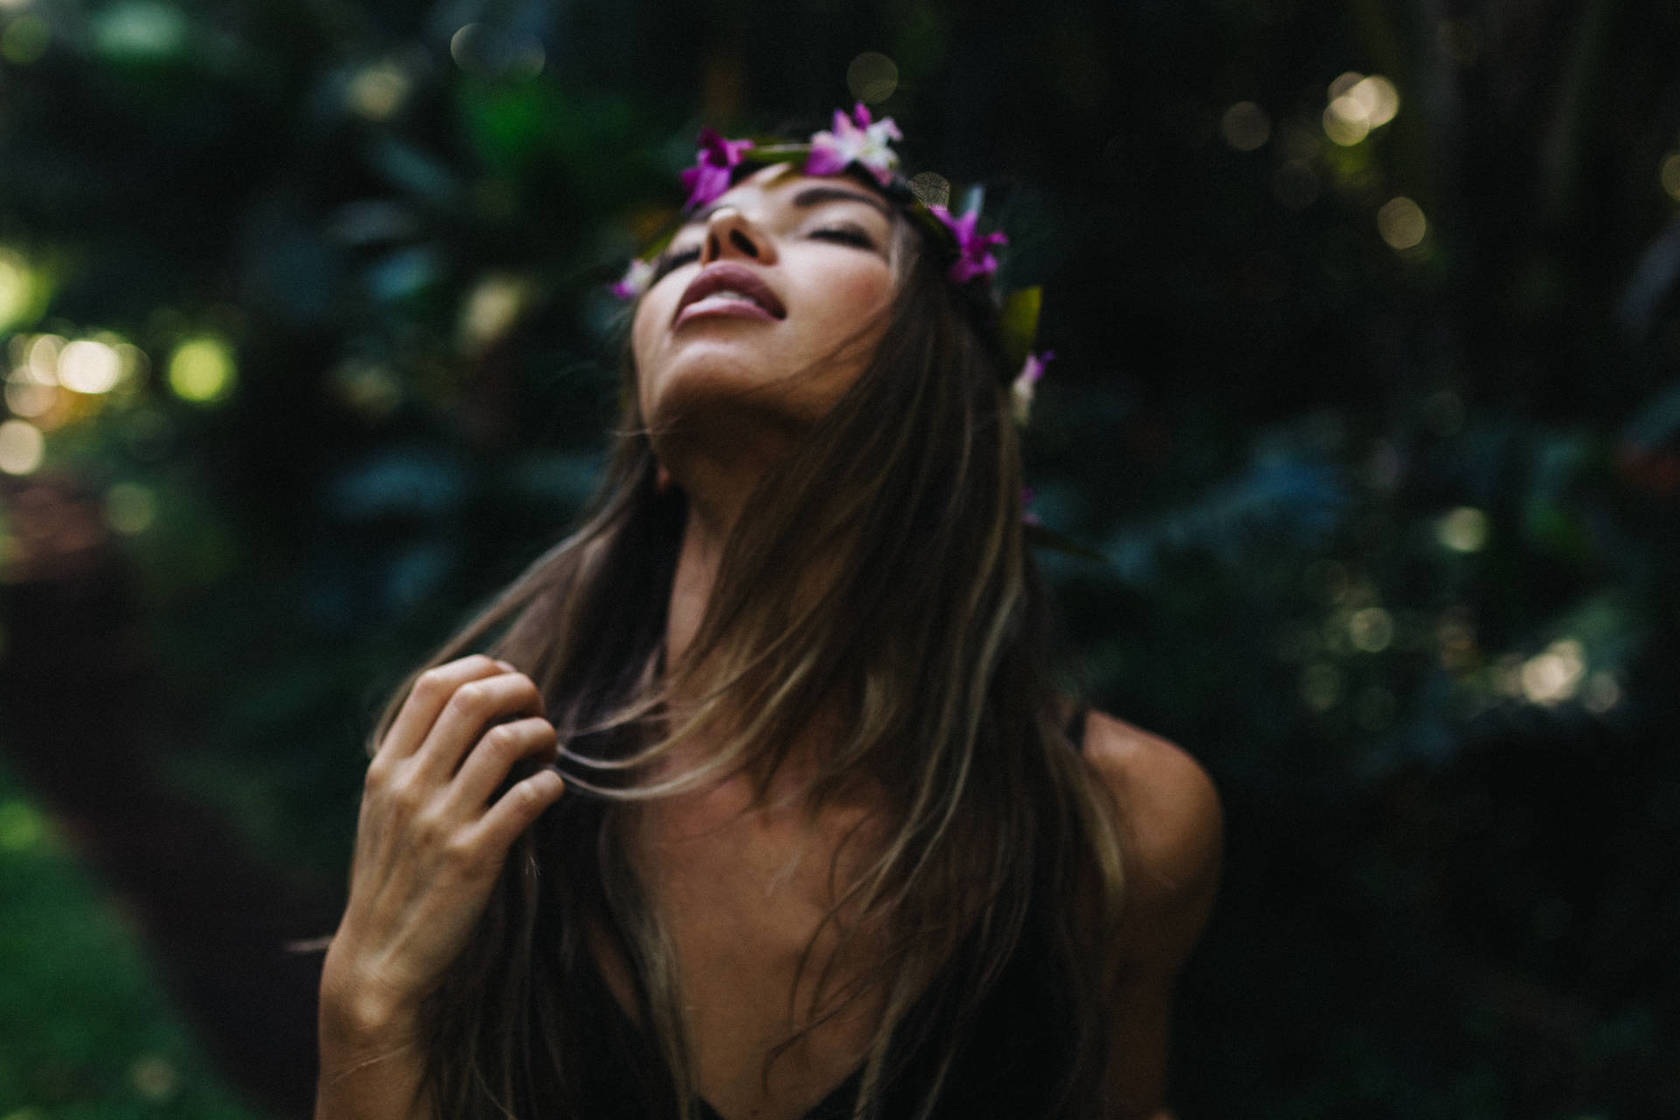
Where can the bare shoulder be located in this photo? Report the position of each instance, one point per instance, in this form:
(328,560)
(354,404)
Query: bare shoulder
(1171,832)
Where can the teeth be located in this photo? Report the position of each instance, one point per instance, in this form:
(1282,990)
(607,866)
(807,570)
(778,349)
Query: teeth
(731,293)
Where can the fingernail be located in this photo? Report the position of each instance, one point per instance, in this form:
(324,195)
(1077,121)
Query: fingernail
(509,666)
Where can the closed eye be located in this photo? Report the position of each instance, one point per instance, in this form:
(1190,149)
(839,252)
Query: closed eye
(669,260)
(846,235)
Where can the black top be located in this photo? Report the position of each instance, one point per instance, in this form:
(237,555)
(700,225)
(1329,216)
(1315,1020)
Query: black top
(1016,1057)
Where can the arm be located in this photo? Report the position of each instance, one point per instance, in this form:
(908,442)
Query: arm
(429,845)
(1172,838)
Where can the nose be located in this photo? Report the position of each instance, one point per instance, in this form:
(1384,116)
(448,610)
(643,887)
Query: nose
(730,233)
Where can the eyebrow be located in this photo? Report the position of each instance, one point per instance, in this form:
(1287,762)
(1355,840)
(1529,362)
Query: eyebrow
(807,198)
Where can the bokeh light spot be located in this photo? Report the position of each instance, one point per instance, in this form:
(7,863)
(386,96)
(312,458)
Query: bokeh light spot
(22,446)
(376,92)
(491,309)
(25,39)
(1464,529)
(1343,84)
(21,827)
(154,1077)
(1601,693)
(1555,675)
(42,355)
(367,388)
(1343,124)
(1371,629)
(478,49)
(1245,126)
(26,396)
(201,370)
(1668,174)
(17,288)
(130,508)
(1321,686)
(140,29)
(1377,99)
(872,77)
(1402,224)
(86,366)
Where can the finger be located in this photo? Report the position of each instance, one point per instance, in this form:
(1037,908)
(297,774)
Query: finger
(518,808)
(430,692)
(493,757)
(474,707)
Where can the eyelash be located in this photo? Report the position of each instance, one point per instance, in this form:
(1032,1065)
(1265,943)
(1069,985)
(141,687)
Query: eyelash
(668,262)
(845,235)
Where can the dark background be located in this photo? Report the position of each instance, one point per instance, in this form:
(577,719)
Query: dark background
(1379,431)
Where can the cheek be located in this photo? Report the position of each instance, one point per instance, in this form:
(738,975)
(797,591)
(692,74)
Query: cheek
(853,297)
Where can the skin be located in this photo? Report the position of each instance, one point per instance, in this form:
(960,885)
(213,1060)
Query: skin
(742,884)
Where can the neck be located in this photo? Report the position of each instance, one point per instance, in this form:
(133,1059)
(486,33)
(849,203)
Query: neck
(691,587)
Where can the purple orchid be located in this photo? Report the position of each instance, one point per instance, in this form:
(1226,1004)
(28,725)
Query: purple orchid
(974,250)
(713,164)
(1021,389)
(634,281)
(858,139)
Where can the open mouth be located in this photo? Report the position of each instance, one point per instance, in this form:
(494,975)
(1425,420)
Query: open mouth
(729,288)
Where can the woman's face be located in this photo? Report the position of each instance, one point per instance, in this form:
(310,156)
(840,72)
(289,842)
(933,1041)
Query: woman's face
(772,298)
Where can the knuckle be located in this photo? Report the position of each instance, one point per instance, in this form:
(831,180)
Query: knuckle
(460,852)
(432,830)
(404,797)
(432,682)
(469,699)
(378,775)
(501,740)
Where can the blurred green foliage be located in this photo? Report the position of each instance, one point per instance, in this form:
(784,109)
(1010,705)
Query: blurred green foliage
(87,1033)
(1376,418)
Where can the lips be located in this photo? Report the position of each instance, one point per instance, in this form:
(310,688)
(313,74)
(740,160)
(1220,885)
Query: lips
(748,291)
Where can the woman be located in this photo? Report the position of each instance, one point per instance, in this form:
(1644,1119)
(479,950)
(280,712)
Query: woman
(830,842)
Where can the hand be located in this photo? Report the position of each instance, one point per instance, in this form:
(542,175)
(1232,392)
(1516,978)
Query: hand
(430,841)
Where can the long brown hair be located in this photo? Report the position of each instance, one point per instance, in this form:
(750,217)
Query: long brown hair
(927,630)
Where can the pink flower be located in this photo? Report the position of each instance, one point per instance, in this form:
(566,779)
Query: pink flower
(974,250)
(634,281)
(1021,389)
(859,139)
(709,177)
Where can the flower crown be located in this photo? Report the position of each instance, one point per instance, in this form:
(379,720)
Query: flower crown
(862,144)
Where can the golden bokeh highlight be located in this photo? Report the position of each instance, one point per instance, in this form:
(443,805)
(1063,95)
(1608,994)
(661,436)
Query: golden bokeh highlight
(202,370)
(1554,675)
(22,447)
(377,92)
(1358,104)
(90,367)
(1402,224)
(1464,529)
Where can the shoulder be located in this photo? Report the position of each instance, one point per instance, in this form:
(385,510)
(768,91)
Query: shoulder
(1171,836)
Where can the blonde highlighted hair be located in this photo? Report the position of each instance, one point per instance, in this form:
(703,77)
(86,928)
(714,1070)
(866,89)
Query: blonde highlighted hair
(882,576)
